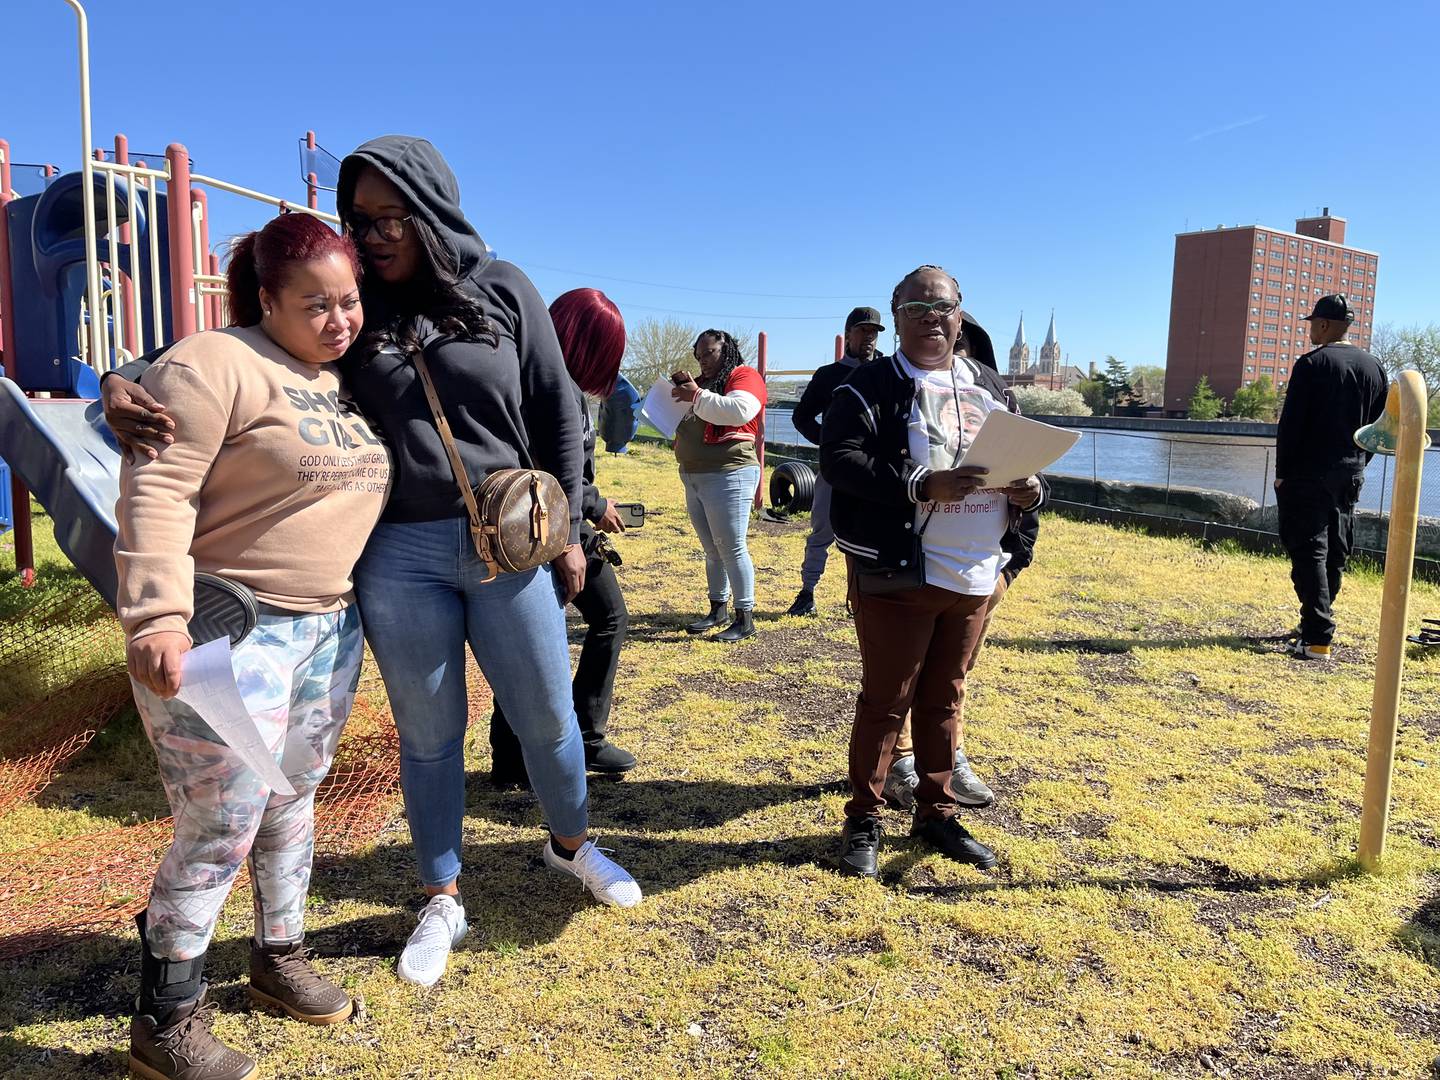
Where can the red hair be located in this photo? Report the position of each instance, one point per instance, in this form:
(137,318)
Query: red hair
(592,338)
(263,259)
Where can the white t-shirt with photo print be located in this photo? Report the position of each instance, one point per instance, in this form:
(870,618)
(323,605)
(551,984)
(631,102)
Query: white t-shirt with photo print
(962,539)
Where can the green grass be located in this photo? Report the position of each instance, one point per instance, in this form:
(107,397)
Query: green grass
(1177,812)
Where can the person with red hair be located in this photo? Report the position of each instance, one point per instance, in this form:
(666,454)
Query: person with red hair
(237,497)
(592,340)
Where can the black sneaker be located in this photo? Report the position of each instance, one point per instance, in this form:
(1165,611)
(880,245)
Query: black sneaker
(605,757)
(953,840)
(804,603)
(860,847)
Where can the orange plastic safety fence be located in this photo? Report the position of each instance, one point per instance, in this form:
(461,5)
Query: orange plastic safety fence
(60,683)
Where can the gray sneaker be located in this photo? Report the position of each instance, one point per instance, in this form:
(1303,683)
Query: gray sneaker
(900,783)
(969,789)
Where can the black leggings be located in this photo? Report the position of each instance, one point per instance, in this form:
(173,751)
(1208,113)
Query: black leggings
(602,606)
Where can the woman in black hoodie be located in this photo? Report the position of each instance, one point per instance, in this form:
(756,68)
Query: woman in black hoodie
(431,286)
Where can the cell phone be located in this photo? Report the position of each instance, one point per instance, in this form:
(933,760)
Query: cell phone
(631,514)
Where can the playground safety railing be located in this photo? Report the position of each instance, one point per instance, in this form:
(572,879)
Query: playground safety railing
(130,322)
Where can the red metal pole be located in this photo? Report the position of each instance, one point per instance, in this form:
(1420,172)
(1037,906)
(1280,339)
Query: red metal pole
(839,347)
(182,248)
(122,157)
(19,494)
(760,362)
(312,181)
(5,195)
(203,255)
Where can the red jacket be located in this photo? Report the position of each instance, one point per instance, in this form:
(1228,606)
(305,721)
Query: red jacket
(753,383)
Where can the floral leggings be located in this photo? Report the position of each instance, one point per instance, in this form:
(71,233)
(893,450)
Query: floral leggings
(297,674)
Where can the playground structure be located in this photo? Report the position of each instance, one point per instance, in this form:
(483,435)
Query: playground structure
(99,265)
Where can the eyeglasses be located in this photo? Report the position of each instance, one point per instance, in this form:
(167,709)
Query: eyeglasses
(390,229)
(918,309)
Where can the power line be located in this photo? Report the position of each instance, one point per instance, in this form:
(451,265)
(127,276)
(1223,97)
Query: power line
(730,315)
(691,288)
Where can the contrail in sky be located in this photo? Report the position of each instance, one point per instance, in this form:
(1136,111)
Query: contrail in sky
(1226,127)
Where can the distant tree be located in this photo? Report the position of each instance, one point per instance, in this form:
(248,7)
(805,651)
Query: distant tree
(1092,392)
(1115,385)
(656,347)
(1256,401)
(1037,401)
(1148,381)
(1413,348)
(1205,404)
(749,343)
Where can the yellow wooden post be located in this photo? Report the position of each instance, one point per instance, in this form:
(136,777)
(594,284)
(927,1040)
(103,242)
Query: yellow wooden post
(1405,420)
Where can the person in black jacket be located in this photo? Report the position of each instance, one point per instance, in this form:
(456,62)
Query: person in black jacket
(1019,544)
(592,339)
(925,541)
(1334,390)
(432,287)
(862,328)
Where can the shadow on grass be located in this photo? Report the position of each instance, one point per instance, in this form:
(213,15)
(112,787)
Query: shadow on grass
(1421,932)
(20,1059)
(658,805)
(1116,645)
(1222,881)
(671,626)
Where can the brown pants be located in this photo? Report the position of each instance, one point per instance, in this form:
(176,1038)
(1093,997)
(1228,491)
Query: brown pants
(913,650)
(905,743)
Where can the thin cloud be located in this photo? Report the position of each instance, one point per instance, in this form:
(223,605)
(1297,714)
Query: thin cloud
(1223,128)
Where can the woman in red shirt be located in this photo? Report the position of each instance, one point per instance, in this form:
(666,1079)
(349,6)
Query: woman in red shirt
(715,446)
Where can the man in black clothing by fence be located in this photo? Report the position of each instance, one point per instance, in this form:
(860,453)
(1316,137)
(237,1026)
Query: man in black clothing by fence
(1334,390)
(862,328)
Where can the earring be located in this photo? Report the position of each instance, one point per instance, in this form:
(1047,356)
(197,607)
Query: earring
(267,312)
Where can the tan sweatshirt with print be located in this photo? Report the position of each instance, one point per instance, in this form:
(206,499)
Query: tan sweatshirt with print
(273,481)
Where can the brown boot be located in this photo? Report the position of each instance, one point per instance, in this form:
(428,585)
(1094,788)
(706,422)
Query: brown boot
(180,1046)
(282,976)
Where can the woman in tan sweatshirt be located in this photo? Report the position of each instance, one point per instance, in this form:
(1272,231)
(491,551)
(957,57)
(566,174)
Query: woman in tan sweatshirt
(274,483)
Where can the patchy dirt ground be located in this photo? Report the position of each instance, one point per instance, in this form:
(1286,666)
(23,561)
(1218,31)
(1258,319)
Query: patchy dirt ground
(1176,811)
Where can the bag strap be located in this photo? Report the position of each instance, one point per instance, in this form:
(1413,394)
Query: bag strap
(457,466)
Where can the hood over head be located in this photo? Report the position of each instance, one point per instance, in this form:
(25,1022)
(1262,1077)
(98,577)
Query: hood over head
(414,166)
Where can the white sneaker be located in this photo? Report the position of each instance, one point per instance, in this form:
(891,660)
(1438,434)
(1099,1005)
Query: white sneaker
(607,881)
(442,926)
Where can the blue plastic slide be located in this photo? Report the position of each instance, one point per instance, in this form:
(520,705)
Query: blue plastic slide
(68,458)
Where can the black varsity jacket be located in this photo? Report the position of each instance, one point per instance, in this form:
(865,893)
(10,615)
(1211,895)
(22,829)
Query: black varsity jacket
(865,456)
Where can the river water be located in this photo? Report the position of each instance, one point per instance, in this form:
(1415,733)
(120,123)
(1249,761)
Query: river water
(1236,464)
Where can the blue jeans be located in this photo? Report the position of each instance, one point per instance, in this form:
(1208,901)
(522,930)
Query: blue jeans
(719,504)
(420,592)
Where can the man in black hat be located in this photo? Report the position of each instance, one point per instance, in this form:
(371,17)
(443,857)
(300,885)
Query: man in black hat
(862,328)
(1334,390)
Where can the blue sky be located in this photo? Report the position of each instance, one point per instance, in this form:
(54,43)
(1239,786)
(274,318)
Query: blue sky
(779,163)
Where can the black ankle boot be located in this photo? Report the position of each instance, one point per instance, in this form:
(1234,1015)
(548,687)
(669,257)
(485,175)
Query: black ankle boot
(165,984)
(742,627)
(718,611)
(170,1037)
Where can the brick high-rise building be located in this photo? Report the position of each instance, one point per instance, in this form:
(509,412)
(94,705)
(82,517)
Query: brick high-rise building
(1239,294)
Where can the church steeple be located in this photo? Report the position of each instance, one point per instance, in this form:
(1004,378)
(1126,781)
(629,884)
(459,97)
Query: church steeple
(1050,361)
(1019,352)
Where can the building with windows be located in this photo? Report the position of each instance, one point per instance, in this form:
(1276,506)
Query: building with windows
(1239,296)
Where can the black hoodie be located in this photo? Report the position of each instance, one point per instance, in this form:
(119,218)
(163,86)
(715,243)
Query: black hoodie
(509,406)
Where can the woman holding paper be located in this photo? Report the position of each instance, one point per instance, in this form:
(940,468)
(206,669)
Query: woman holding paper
(924,539)
(274,483)
(715,446)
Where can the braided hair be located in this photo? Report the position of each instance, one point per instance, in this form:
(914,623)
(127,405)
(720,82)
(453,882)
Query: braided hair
(730,359)
(895,296)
